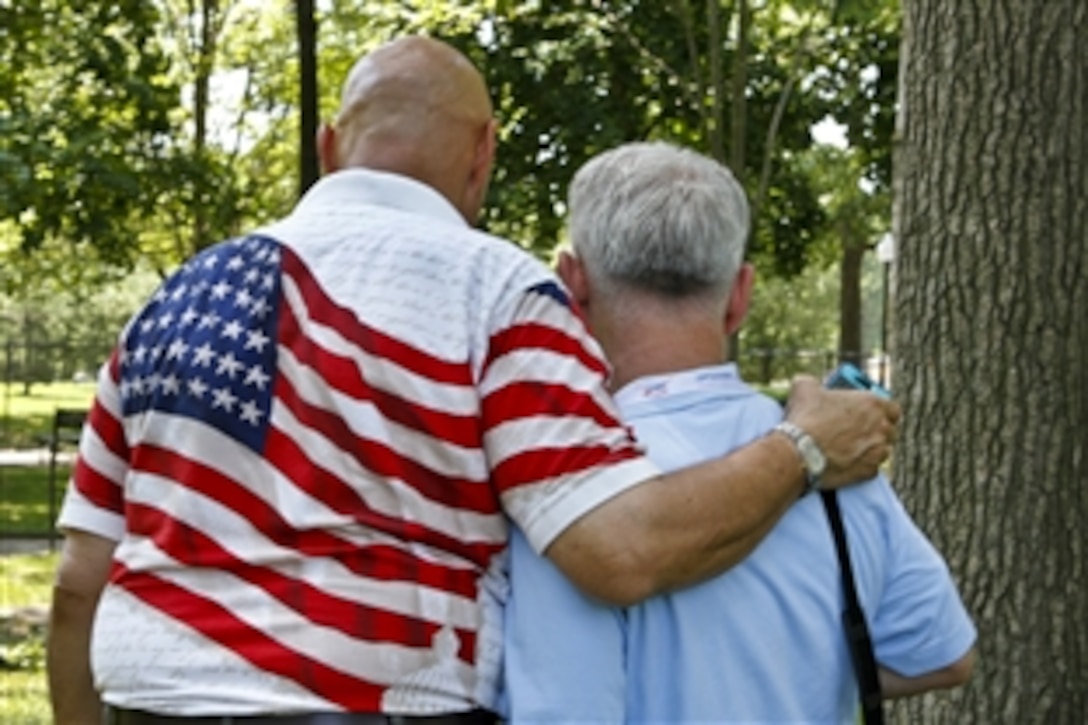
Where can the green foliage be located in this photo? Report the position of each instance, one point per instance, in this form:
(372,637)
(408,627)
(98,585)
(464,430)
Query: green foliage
(859,79)
(60,319)
(857,211)
(567,87)
(84,120)
(791,325)
(572,78)
(98,160)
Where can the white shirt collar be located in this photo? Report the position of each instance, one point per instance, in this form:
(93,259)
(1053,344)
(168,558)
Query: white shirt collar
(351,187)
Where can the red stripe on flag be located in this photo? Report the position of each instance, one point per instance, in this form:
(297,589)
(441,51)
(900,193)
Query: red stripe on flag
(102,491)
(114,365)
(355,620)
(378,562)
(102,421)
(326,311)
(531,398)
(344,374)
(544,463)
(264,652)
(382,461)
(529,335)
(291,460)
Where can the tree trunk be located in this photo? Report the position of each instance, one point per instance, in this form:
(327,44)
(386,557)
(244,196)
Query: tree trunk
(992,339)
(850,302)
(306,26)
(738,126)
(205,66)
(738,101)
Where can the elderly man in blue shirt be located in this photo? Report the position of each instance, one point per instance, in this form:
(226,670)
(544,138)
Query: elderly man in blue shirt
(658,236)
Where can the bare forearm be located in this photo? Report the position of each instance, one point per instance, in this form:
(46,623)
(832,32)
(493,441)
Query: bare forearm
(893,685)
(683,527)
(81,575)
(71,687)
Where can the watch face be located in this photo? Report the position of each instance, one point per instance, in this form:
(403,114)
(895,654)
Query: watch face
(814,457)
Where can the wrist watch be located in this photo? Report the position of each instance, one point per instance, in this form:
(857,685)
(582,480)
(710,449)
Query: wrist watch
(812,458)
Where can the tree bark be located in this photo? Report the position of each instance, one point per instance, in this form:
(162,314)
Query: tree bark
(991,304)
(207,47)
(738,104)
(853,254)
(306,25)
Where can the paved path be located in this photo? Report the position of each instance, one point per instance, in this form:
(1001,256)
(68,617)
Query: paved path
(31,457)
(19,545)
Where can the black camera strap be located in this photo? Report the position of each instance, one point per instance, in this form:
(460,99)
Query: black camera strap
(858,640)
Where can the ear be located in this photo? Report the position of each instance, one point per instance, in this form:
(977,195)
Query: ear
(739,297)
(573,273)
(483,159)
(327,152)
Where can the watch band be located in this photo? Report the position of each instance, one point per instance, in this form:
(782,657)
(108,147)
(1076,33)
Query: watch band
(812,460)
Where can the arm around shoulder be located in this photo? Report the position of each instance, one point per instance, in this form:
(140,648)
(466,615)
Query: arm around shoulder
(682,527)
(686,526)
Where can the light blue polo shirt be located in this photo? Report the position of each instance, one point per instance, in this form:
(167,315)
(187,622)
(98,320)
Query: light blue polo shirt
(762,643)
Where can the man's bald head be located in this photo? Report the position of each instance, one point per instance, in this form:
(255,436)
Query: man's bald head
(419,108)
(416,72)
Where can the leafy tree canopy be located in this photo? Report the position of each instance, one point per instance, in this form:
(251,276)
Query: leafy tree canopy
(85,119)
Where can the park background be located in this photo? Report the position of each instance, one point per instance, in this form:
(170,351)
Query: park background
(918,172)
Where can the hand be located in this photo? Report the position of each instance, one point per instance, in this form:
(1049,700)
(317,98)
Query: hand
(854,429)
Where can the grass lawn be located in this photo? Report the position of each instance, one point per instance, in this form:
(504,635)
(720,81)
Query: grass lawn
(24,418)
(24,597)
(24,499)
(26,579)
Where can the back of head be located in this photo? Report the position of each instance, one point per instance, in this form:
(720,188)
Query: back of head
(417,107)
(660,219)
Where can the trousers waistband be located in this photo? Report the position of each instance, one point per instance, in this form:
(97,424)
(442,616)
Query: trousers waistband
(121,716)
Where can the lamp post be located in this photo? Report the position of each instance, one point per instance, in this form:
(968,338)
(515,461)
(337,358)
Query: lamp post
(885,254)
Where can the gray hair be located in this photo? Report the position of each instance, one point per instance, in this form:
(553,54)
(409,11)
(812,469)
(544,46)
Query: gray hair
(660,218)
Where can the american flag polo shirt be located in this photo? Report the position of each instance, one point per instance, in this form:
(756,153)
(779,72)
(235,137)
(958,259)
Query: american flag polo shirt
(309,444)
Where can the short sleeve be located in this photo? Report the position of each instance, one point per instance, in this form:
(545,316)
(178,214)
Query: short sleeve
(921,624)
(94,500)
(552,434)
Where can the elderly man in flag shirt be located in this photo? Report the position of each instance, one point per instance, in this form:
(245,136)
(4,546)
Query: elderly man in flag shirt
(294,492)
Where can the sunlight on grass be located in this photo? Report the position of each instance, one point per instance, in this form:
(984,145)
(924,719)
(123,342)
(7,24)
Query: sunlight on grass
(44,398)
(27,579)
(25,418)
(24,597)
(24,699)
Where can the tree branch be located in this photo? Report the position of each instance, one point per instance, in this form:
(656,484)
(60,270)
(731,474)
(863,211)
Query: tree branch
(804,51)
